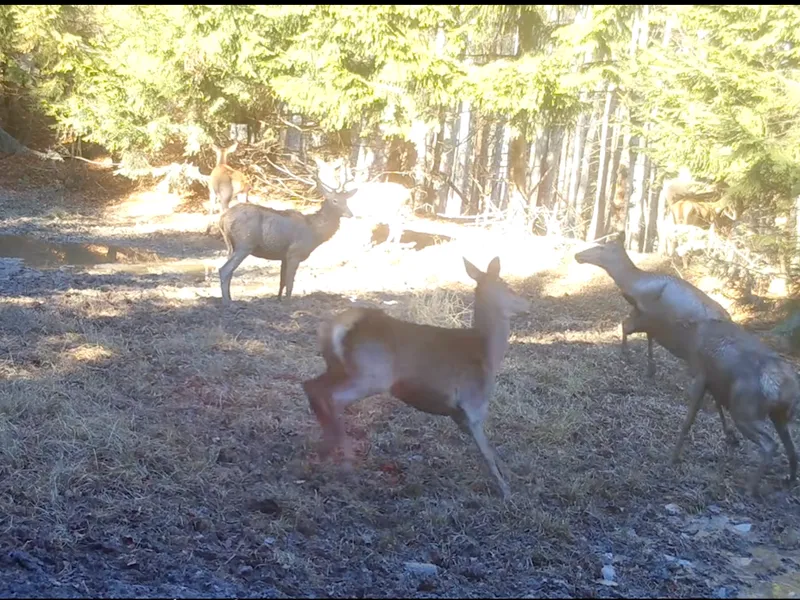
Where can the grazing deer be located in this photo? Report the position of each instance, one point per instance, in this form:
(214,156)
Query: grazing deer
(671,298)
(285,235)
(225,182)
(374,202)
(742,374)
(437,370)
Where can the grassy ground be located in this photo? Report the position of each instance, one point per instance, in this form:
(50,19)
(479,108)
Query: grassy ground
(152,443)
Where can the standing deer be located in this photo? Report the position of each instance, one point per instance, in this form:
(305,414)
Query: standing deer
(374,202)
(437,370)
(671,298)
(226,182)
(754,383)
(285,235)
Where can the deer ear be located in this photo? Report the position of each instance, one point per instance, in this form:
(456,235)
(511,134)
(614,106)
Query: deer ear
(493,270)
(473,271)
(620,239)
(233,147)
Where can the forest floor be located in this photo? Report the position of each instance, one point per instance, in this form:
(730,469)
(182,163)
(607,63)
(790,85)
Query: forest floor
(153,444)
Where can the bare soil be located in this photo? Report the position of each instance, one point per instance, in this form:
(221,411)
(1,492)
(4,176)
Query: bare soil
(153,444)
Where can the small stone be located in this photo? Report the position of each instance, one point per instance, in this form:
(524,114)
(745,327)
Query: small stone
(743,527)
(722,592)
(687,564)
(609,573)
(673,509)
(245,570)
(423,569)
(714,509)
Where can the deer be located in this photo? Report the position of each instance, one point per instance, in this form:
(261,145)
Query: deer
(375,202)
(743,375)
(672,298)
(226,182)
(285,235)
(702,214)
(438,370)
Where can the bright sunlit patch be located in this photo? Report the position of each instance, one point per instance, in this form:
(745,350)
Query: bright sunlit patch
(90,353)
(148,204)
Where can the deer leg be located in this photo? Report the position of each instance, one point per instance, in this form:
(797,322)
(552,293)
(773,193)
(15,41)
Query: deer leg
(395,232)
(283,278)
(475,429)
(291,269)
(226,273)
(212,200)
(318,392)
(730,436)
(696,393)
(651,363)
(624,340)
(788,445)
(757,432)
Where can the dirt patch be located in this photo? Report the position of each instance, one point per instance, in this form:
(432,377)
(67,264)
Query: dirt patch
(152,444)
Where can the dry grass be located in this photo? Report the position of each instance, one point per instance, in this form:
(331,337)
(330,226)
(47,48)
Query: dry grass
(150,428)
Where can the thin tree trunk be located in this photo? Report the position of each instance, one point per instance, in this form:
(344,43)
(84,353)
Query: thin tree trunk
(450,157)
(583,184)
(438,145)
(455,196)
(480,172)
(597,228)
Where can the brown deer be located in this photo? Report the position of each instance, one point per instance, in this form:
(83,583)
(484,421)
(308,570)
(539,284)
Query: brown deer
(702,214)
(672,298)
(437,370)
(225,182)
(285,235)
(753,382)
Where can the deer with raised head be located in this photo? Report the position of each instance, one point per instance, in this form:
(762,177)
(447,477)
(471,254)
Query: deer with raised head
(437,370)
(285,235)
(743,375)
(374,202)
(672,298)
(225,182)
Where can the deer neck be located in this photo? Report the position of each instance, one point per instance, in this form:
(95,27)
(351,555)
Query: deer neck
(494,327)
(324,222)
(624,273)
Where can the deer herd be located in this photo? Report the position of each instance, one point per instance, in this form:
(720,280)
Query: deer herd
(451,371)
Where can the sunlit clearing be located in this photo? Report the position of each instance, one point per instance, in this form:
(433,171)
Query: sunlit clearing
(149,204)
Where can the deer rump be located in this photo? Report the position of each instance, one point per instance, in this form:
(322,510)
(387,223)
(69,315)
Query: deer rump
(372,347)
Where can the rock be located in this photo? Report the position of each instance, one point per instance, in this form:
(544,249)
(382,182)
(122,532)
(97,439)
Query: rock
(713,508)
(722,592)
(421,569)
(609,573)
(743,527)
(673,509)
(245,570)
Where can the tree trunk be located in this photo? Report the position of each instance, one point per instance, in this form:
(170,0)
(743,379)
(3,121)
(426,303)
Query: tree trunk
(597,228)
(549,169)
(497,155)
(652,202)
(548,166)
(438,145)
(455,197)
(480,171)
(638,179)
(583,184)
(450,157)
